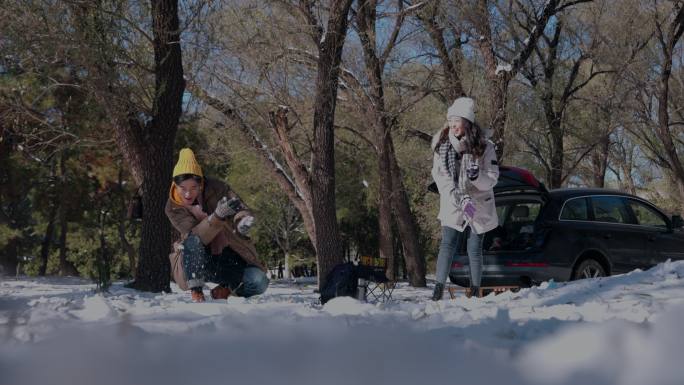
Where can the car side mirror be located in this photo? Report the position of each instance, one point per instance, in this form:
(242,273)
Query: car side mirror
(677,221)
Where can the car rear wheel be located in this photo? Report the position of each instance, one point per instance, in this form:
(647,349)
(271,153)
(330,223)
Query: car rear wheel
(589,268)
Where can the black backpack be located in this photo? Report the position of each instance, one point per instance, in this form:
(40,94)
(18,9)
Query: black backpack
(340,282)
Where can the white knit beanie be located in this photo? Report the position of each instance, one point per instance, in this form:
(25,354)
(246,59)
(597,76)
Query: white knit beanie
(463,108)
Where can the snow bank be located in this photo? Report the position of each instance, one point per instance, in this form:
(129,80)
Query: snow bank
(619,330)
(617,352)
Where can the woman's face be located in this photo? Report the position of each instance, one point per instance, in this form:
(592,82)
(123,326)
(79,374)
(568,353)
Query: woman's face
(188,190)
(457,126)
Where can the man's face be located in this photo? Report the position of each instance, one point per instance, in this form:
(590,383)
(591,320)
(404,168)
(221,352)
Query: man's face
(188,190)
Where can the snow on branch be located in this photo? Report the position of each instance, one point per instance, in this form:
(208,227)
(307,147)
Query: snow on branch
(530,42)
(503,68)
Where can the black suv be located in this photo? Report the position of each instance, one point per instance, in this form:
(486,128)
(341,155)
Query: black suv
(568,234)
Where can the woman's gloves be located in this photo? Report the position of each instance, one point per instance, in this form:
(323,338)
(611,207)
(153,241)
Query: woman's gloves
(473,171)
(468,207)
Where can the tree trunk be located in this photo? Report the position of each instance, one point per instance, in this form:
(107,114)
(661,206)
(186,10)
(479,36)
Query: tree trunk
(103,256)
(47,239)
(623,157)
(385,199)
(365,19)
(630,185)
(286,273)
(392,194)
(54,198)
(8,254)
(125,245)
(498,102)
(668,44)
(153,269)
(497,80)
(149,150)
(328,243)
(9,261)
(557,155)
(600,162)
(66,268)
(299,190)
(406,226)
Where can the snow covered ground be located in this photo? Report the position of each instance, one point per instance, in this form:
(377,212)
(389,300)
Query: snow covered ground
(618,330)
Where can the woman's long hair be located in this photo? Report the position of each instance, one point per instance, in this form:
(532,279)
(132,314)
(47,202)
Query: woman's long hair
(444,135)
(474,139)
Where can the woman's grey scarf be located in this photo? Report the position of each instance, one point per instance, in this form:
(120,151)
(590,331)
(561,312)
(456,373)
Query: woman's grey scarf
(452,160)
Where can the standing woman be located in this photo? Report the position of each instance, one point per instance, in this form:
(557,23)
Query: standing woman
(465,170)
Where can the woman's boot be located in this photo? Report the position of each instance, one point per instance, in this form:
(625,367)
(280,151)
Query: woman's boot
(439,291)
(474,292)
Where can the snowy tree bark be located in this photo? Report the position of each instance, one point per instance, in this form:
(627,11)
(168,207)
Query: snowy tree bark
(148,147)
(328,243)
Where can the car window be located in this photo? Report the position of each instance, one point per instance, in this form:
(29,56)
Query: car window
(646,215)
(575,210)
(517,228)
(501,213)
(610,209)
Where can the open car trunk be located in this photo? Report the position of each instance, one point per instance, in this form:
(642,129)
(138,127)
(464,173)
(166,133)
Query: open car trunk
(511,180)
(517,180)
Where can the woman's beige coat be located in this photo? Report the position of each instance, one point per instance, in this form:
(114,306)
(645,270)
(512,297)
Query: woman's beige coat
(480,189)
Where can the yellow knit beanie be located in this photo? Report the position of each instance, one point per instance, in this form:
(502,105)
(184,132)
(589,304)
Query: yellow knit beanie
(187,164)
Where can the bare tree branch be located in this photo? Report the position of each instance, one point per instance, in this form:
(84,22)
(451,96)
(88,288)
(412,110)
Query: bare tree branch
(257,143)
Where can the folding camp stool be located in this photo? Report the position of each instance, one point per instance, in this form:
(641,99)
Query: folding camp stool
(379,291)
(372,279)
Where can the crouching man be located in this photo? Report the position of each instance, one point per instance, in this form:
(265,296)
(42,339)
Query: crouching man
(214,245)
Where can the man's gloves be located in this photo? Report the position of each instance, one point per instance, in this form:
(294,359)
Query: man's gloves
(227,208)
(245,225)
(223,210)
(468,207)
(473,171)
(235,204)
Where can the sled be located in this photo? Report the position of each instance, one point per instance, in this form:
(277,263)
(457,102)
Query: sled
(454,290)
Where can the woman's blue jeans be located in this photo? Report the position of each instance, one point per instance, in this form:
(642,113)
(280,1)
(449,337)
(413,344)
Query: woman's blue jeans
(448,248)
(227,269)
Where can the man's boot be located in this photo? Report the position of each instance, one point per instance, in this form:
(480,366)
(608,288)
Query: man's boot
(197,294)
(439,291)
(220,292)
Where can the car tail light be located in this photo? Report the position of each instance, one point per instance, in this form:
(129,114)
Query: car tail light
(456,265)
(527,264)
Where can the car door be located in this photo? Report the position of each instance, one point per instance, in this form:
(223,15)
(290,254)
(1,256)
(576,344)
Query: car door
(617,233)
(667,243)
(574,233)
